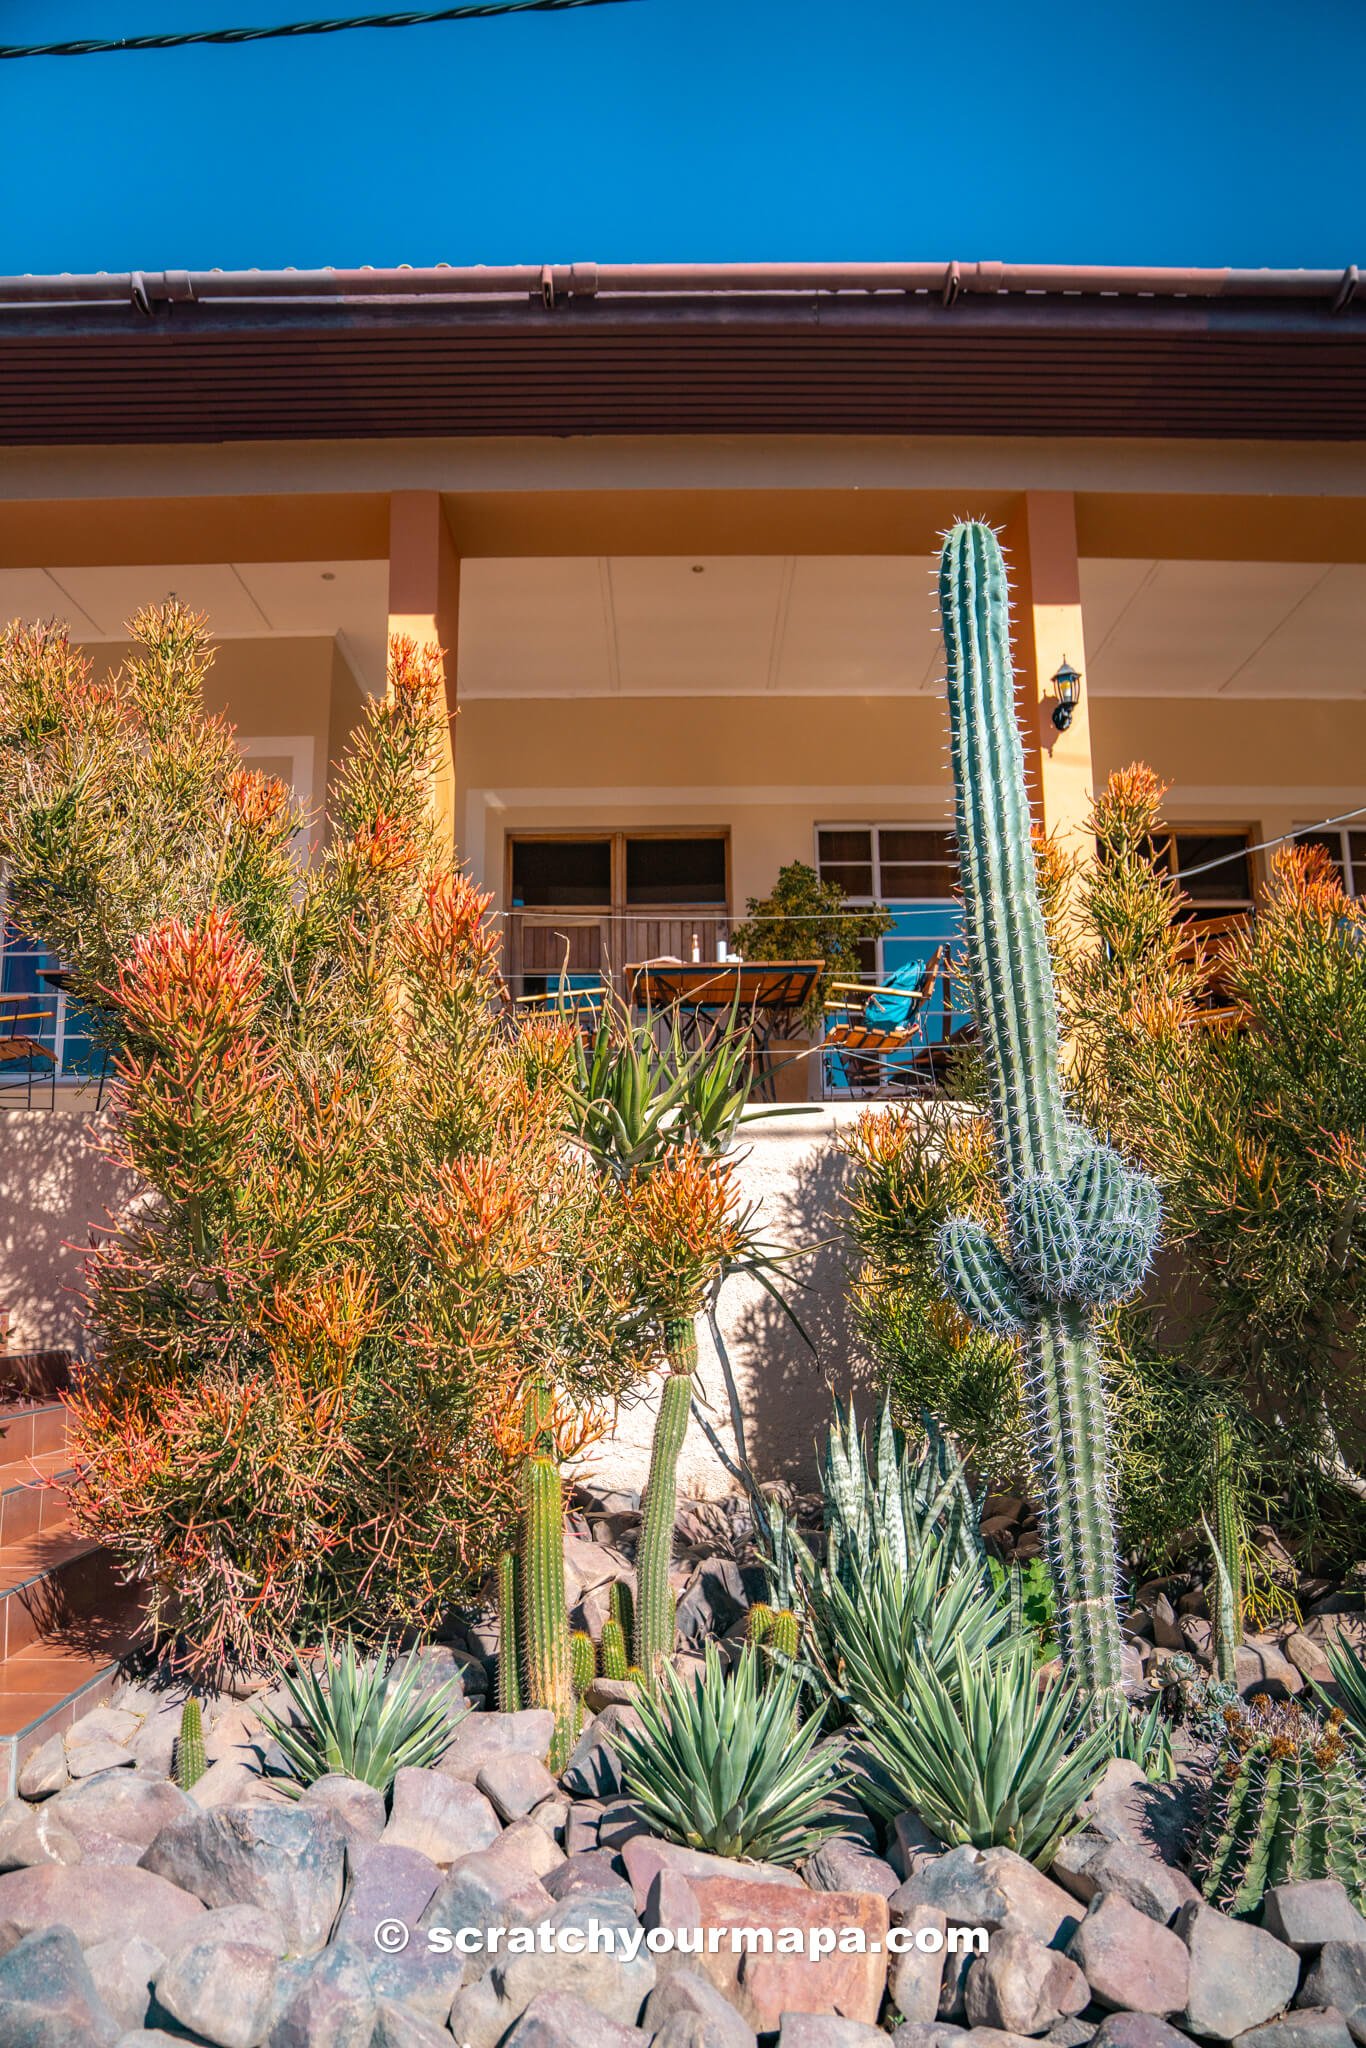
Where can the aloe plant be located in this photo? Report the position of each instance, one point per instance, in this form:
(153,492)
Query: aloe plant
(720,1763)
(368,1719)
(1348,1667)
(1081,1225)
(983,1755)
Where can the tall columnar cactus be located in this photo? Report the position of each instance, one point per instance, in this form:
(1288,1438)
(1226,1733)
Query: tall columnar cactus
(509,1633)
(1286,1805)
(615,1661)
(189,1750)
(547,1669)
(1080,1224)
(654,1553)
(1228,1552)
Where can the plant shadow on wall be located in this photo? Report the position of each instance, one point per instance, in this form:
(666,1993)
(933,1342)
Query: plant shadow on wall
(309,1349)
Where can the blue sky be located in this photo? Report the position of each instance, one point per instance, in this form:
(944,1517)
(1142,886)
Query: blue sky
(1209,132)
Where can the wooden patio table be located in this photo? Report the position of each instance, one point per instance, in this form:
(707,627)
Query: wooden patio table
(761,992)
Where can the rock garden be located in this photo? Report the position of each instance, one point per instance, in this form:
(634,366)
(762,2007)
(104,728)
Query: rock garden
(1042,1719)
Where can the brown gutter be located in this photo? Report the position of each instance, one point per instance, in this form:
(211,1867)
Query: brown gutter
(553,283)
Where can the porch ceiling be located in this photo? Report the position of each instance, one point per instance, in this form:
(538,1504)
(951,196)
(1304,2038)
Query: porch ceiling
(733,625)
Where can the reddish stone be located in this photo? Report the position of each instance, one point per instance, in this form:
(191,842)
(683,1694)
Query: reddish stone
(847,1981)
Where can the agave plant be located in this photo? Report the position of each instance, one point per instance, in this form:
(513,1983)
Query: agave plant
(367,1719)
(985,1756)
(899,1622)
(1348,1667)
(720,1764)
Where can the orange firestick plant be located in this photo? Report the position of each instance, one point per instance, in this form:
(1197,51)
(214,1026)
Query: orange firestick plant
(363,1233)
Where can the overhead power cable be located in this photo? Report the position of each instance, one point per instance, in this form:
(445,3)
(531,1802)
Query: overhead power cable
(474,10)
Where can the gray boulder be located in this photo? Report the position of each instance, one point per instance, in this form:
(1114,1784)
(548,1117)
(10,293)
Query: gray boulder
(1137,2030)
(915,1974)
(442,1818)
(1021,1987)
(1337,1977)
(384,1883)
(845,1864)
(125,1804)
(358,1809)
(1239,1975)
(35,1834)
(514,1785)
(1307,2027)
(594,1767)
(97,1904)
(610,1983)
(123,1973)
(396,2027)
(326,2002)
(686,1995)
(561,2019)
(827,2030)
(1306,1915)
(223,1990)
(592,1870)
(48,1997)
(421,1979)
(1089,1863)
(482,1737)
(1130,1962)
(287,1859)
(44,1770)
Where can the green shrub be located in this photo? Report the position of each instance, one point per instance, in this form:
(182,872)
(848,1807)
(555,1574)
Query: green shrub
(720,1763)
(369,1719)
(804,918)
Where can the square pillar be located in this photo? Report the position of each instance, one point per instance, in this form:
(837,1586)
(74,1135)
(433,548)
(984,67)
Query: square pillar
(424,603)
(1040,543)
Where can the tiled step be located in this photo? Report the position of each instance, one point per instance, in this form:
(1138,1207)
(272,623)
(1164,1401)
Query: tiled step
(29,1377)
(48,1582)
(33,1497)
(30,1430)
(46,1688)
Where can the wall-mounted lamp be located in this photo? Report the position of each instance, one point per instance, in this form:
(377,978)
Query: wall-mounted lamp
(1067,683)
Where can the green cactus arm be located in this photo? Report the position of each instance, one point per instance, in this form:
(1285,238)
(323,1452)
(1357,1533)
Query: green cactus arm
(978,1277)
(190,1763)
(1064,1399)
(547,1670)
(583,1661)
(1257,1857)
(759,1622)
(1008,959)
(785,1635)
(622,1607)
(1228,1536)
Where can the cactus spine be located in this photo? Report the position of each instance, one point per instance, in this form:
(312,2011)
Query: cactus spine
(1228,1552)
(583,1661)
(615,1659)
(1080,1224)
(547,1668)
(189,1750)
(759,1622)
(509,1634)
(622,1608)
(1286,1806)
(655,1620)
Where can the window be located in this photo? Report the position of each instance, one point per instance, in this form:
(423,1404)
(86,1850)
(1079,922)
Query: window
(675,871)
(913,865)
(52,1018)
(1214,869)
(1346,848)
(557,873)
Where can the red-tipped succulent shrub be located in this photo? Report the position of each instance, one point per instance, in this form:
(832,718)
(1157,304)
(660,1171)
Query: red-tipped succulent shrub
(363,1230)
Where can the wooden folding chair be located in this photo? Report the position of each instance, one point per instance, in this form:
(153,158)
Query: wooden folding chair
(20,1047)
(860,1040)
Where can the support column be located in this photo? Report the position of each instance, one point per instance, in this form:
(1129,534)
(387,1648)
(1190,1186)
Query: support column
(1040,540)
(424,603)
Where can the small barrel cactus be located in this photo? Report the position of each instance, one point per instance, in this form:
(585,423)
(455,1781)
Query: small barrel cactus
(776,1629)
(190,1764)
(759,1621)
(1081,1224)
(1286,1805)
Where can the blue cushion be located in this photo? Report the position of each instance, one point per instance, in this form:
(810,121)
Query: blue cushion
(889,1013)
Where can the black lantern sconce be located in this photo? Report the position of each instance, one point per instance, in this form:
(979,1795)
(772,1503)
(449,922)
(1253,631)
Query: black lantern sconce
(1067,683)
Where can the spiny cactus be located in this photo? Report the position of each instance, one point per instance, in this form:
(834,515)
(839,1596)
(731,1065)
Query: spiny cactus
(1081,1225)
(775,1629)
(759,1621)
(615,1659)
(622,1608)
(583,1661)
(635,1674)
(509,1634)
(547,1669)
(654,1554)
(1286,1805)
(189,1750)
(1226,1540)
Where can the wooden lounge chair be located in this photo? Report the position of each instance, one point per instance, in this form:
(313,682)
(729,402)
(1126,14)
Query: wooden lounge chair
(19,1047)
(873,1022)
